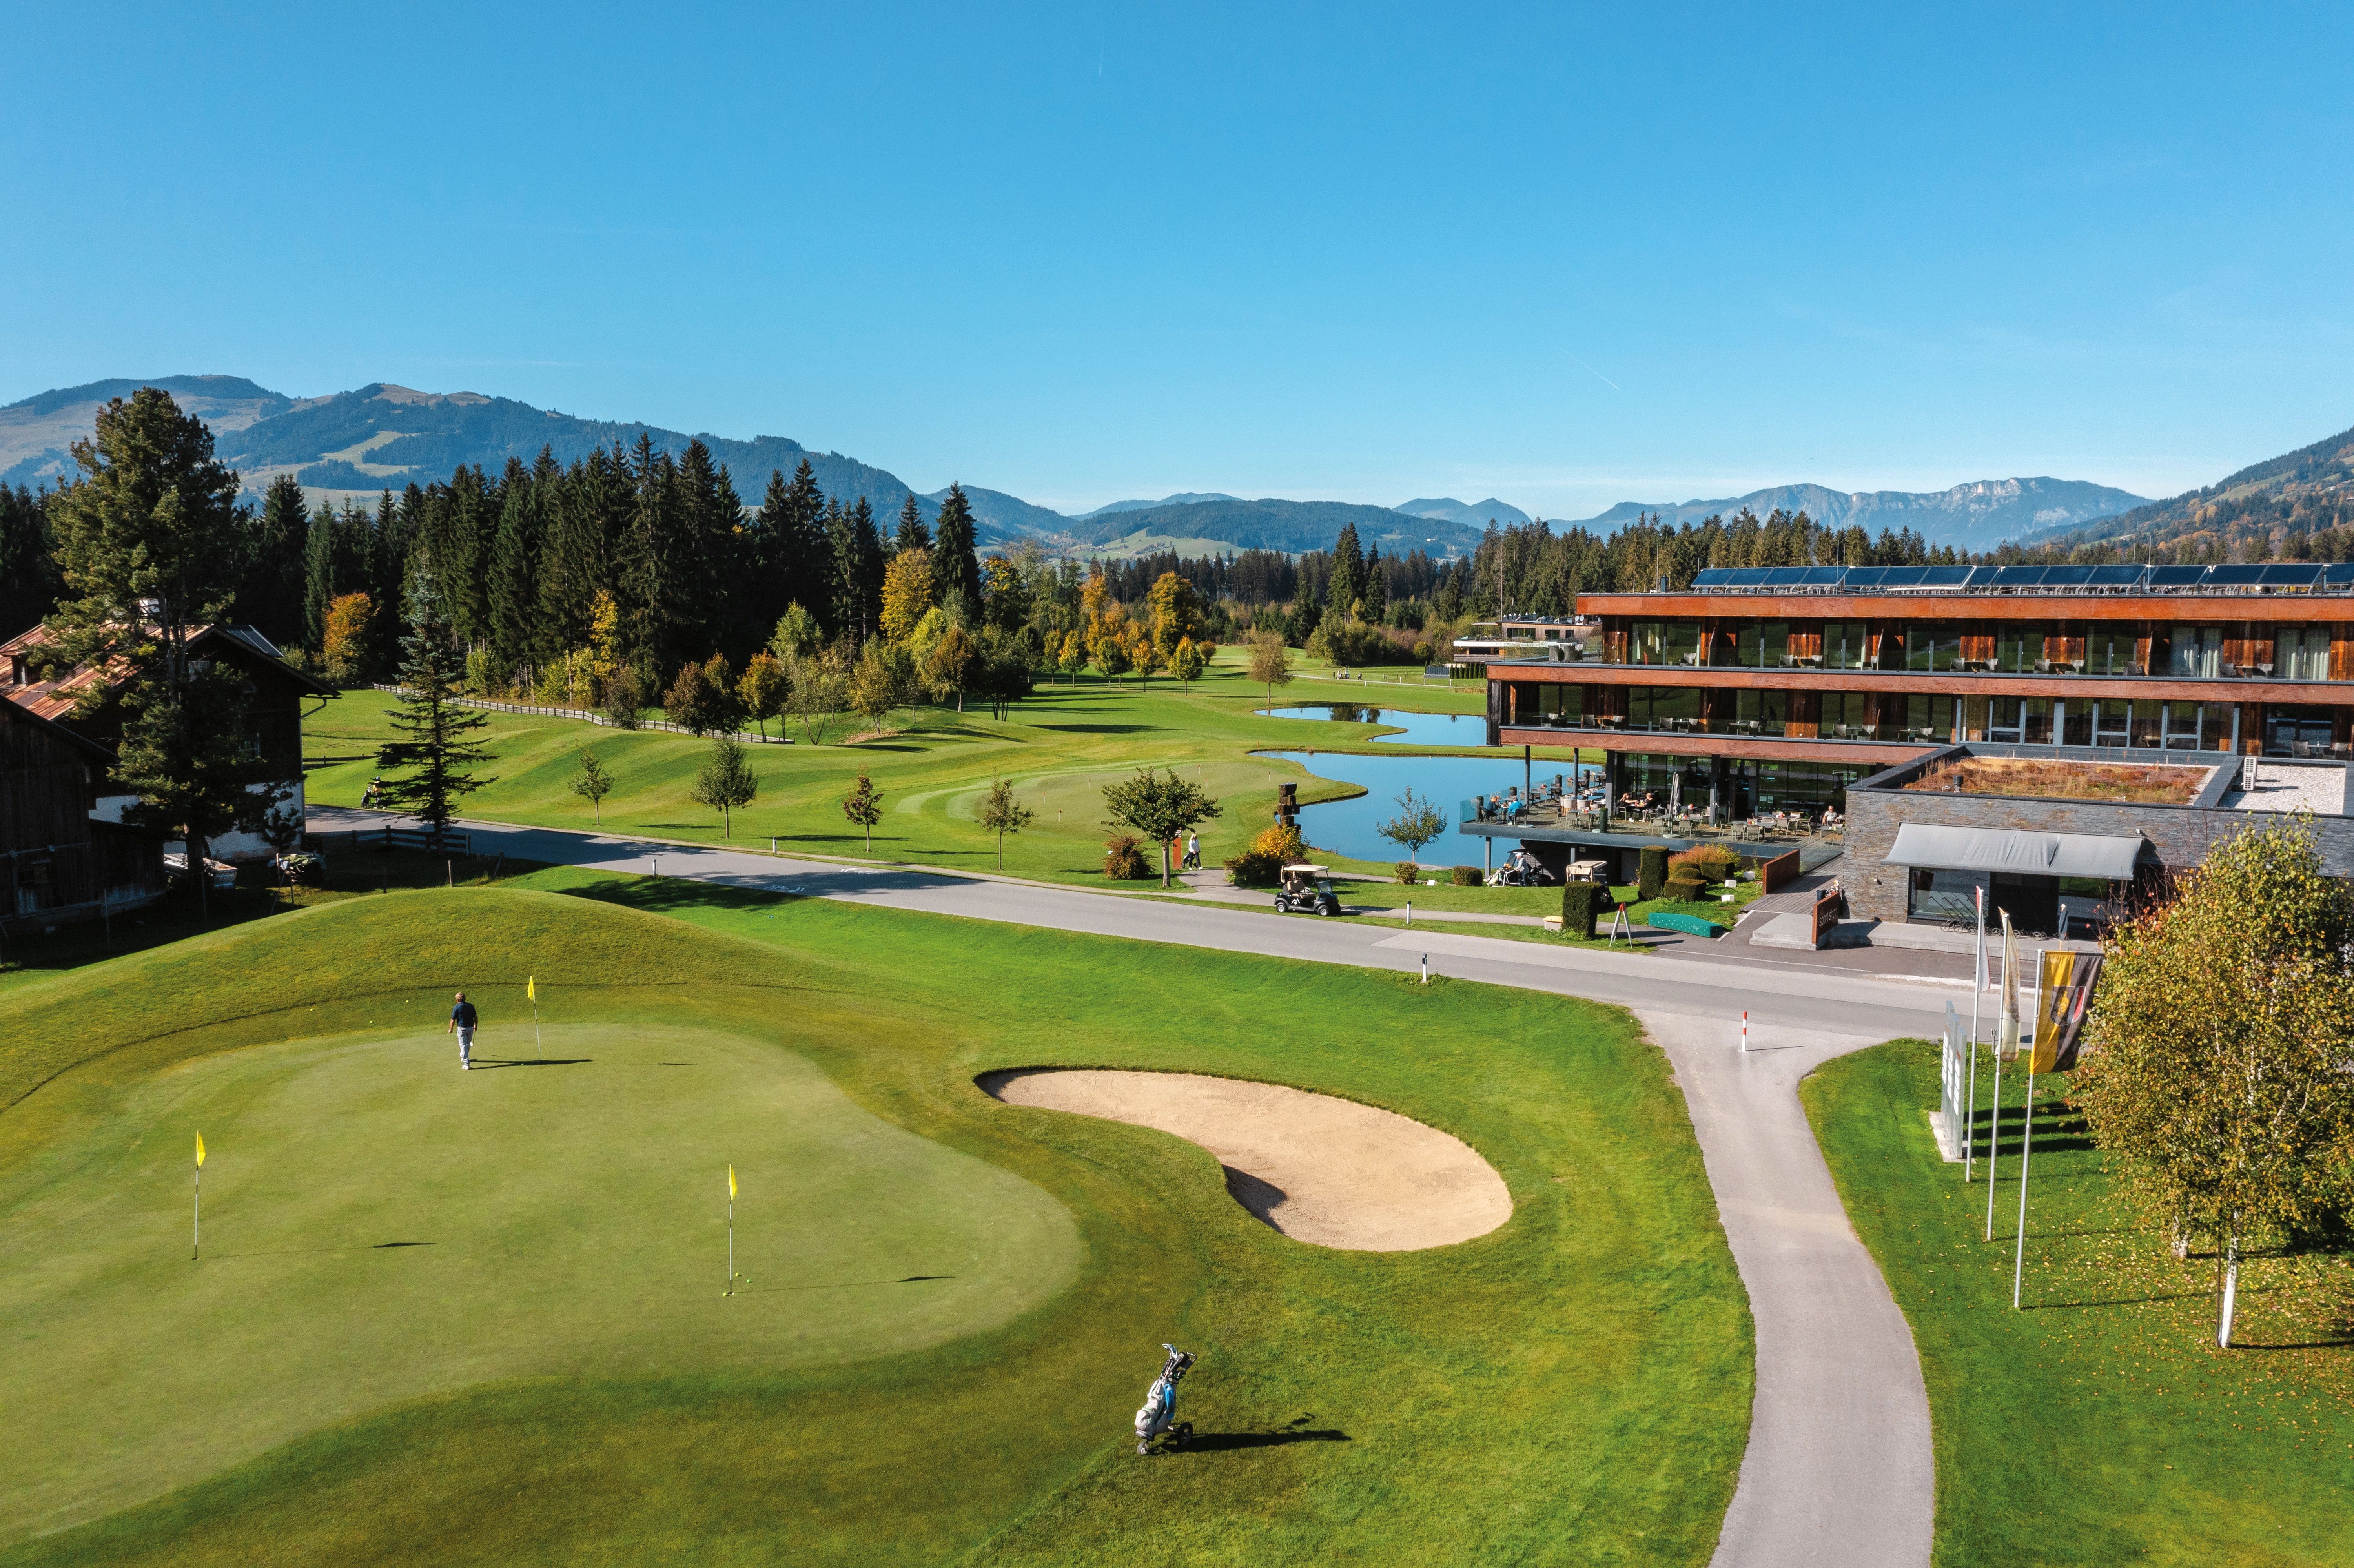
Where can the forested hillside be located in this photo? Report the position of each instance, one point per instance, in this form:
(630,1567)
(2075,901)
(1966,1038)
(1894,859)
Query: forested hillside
(2299,505)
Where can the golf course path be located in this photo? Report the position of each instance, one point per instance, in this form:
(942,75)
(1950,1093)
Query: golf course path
(1320,1168)
(1839,1470)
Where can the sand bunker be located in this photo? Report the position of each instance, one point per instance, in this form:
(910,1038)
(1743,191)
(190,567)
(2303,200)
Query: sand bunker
(1319,1170)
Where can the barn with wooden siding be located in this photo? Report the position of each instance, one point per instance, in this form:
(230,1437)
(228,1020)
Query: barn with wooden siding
(59,864)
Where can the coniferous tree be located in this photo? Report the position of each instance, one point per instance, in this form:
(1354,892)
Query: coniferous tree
(866,542)
(1376,594)
(438,748)
(461,554)
(583,521)
(318,575)
(957,569)
(649,567)
(512,595)
(30,583)
(912,534)
(272,592)
(1348,574)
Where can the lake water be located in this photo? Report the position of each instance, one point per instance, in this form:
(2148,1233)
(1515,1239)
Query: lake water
(1421,730)
(1350,827)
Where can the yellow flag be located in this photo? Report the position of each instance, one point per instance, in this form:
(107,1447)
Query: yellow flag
(531,988)
(200,1151)
(731,1183)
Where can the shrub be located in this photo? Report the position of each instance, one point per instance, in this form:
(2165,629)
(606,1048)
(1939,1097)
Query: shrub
(1686,886)
(1581,903)
(623,698)
(1123,862)
(1465,877)
(1408,872)
(1280,844)
(1252,869)
(1652,874)
(1714,863)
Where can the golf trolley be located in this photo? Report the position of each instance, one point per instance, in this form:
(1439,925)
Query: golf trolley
(1306,890)
(1158,1419)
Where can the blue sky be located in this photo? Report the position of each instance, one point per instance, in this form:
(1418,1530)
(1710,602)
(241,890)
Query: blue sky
(1566,256)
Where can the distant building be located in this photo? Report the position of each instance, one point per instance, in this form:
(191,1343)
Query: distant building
(276,691)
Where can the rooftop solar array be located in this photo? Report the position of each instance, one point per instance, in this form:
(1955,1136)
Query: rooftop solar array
(2280,575)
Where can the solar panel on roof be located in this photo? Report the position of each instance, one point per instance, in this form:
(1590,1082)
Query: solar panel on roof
(2292,574)
(1902,576)
(2176,577)
(2066,577)
(1745,577)
(1866,577)
(2340,575)
(1785,577)
(1943,576)
(1825,577)
(2234,577)
(2016,576)
(1709,577)
(2115,577)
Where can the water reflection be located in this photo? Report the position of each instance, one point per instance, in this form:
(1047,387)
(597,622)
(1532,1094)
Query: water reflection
(1351,827)
(1421,730)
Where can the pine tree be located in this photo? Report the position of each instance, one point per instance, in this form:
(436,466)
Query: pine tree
(273,595)
(318,575)
(512,594)
(29,584)
(462,558)
(1348,574)
(912,534)
(1375,595)
(648,567)
(957,570)
(866,542)
(437,747)
(583,523)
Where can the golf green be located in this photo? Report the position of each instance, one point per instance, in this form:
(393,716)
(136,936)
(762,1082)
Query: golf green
(379,1225)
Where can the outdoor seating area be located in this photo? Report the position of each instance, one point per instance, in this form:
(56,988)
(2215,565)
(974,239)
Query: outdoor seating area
(1587,810)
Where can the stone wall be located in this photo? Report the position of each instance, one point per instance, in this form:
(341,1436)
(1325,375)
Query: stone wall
(2180,835)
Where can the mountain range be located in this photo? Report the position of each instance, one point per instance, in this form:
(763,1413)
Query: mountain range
(1975,517)
(381,436)
(2312,487)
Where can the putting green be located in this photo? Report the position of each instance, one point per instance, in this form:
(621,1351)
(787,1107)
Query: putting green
(379,1226)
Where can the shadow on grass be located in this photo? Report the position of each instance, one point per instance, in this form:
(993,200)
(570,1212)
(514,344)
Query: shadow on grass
(840,1285)
(1211,1442)
(484,1064)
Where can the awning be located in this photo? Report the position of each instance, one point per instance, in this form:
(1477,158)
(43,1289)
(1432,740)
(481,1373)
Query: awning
(1998,849)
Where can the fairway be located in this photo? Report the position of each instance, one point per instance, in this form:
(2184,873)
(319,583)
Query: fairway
(379,1225)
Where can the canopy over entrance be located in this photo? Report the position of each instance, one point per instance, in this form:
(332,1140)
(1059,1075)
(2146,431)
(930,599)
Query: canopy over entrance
(1998,849)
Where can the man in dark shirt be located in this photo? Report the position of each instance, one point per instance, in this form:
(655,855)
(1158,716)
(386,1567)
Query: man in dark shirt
(463,1019)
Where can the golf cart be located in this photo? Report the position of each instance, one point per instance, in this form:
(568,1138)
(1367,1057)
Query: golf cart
(1306,890)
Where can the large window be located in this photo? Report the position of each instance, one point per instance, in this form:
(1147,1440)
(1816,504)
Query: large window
(1760,712)
(2196,727)
(1666,643)
(1845,716)
(1763,645)
(1931,644)
(1928,719)
(1663,707)
(2109,649)
(2301,655)
(2018,647)
(2196,651)
(1843,645)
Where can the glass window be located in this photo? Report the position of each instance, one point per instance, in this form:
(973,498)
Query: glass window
(1976,716)
(1663,707)
(1845,716)
(2196,651)
(1843,645)
(2109,649)
(2076,723)
(1928,719)
(2035,721)
(1761,712)
(2018,647)
(2002,720)
(1947,896)
(2145,725)
(2196,726)
(2112,721)
(1931,644)
(2301,655)
(1763,644)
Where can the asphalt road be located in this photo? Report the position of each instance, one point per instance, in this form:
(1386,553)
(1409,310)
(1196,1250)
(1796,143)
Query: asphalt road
(1839,1468)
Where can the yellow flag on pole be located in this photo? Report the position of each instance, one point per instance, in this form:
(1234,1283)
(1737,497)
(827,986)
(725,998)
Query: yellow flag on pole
(531,988)
(731,1183)
(200,1151)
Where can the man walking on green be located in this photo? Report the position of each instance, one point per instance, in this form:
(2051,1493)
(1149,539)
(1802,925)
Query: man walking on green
(463,1019)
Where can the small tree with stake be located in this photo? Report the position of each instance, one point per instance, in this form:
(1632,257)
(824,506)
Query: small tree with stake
(1001,814)
(863,806)
(1158,808)
(593,783)
(437,749)
(1420,822)
(726,781)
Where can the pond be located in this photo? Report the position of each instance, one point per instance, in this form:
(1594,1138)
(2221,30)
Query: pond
(1421,730)
(1351,827)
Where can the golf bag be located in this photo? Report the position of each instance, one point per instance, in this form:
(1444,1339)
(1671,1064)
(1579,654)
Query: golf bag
(1158,1416)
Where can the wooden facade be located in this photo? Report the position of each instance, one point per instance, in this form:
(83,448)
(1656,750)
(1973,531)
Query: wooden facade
(57,863)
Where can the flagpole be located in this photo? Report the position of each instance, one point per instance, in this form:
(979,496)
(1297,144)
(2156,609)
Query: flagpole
(2019,1246)
(197,1232)
(1977,989)
(2006,1031)
(731,1233)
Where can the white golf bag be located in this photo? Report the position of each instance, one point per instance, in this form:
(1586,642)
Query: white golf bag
(1159,1416)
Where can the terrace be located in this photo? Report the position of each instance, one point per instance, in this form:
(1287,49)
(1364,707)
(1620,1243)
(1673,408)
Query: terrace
(2164,784)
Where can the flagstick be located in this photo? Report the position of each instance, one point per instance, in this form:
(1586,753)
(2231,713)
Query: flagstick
(2018,1248)
(196,1237)
(731,1246)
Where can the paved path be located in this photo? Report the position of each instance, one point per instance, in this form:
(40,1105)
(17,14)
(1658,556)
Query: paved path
(1839,1468)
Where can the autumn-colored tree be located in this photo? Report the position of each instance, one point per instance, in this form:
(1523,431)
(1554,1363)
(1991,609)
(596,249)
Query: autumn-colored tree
(345,643)
(1187,659)
(952,664)
(762,690)
(604,640)
(1270,663)
(702,701)
(1071,656)
(1143,653)
(907,593)
(2216,1056)
(798,635)
(1175,613)
(882,680)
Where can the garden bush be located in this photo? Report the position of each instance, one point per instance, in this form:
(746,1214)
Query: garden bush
(1581,903)
(1652,874)
(1465,877)
(1408,873)
(1714,863)
(1687,886)
(1123,862)
(1252,869)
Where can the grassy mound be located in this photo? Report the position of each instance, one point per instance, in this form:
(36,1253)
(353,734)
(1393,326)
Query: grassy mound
(2100,1425)
(1511,1397)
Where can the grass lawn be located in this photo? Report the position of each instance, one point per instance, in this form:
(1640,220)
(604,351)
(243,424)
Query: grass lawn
(1060,748)
(557,1379)
(2101,1424)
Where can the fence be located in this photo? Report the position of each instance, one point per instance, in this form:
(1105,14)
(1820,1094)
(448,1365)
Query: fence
(587,717)
(389,838)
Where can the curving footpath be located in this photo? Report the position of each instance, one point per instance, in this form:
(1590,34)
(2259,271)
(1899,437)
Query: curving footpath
(1839,1470)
